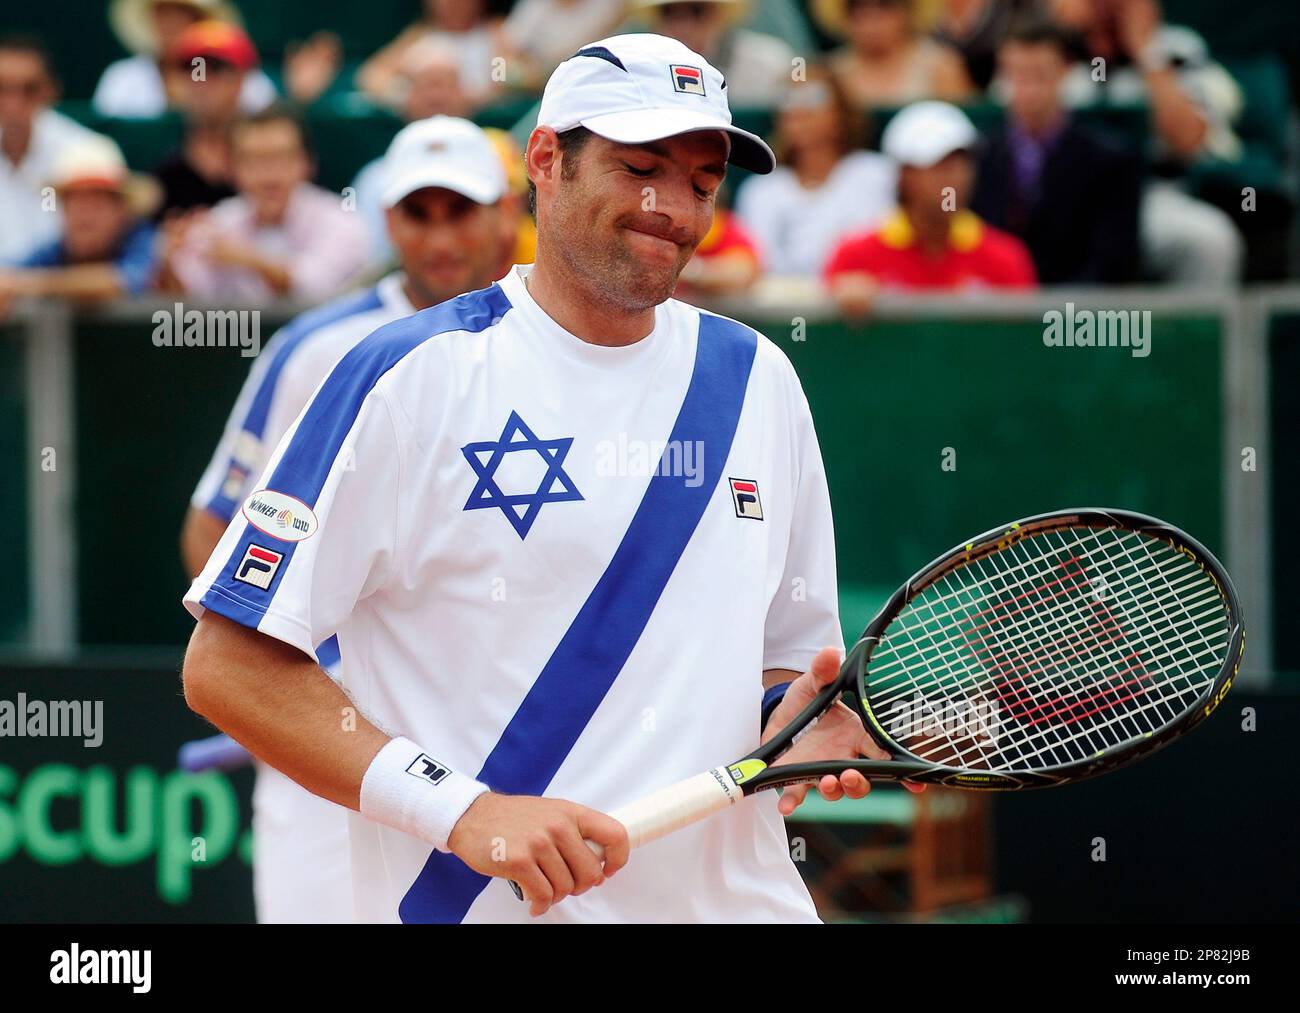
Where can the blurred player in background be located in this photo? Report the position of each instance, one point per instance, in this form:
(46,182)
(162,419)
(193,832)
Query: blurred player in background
(443,191)
(538,617)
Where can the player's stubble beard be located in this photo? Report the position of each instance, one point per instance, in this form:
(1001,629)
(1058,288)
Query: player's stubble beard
(597,258)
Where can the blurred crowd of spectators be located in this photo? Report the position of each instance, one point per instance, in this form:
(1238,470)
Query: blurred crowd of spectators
(1042,196)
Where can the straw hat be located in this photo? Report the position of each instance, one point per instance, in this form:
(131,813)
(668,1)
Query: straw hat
(132,20)
(832,16)
(735,10)
(96,163)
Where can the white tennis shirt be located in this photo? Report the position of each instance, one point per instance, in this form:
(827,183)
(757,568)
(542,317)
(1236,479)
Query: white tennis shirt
(559,567)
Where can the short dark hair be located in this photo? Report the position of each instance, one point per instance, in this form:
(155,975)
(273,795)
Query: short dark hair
(276,112)
(1041,30)
(572,142)
(20,42)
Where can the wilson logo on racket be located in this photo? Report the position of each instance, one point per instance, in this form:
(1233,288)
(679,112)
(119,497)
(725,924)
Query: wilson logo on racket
(745,498)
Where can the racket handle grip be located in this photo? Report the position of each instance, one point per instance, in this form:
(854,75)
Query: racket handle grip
(679,805)
(669,809)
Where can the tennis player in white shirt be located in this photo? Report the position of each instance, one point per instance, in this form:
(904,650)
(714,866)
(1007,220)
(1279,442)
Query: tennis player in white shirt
(573,537)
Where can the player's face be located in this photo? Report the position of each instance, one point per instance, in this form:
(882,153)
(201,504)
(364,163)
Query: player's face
(628,217)
(446,243)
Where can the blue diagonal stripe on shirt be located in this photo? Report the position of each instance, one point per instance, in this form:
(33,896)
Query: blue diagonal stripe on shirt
(597,645)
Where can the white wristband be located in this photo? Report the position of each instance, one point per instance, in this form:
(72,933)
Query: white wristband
(407,789)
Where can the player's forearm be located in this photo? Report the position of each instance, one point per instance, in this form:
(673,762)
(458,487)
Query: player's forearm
(281,706)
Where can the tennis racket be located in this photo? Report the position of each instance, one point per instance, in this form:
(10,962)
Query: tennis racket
(1038,654)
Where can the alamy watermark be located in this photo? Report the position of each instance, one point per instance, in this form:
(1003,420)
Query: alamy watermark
(1098,329)
(641,458)
(929,722)
(54,719)
(75,966)
(181,328)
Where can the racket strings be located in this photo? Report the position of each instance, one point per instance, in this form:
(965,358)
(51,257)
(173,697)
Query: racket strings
(1066,643)
(937,623)
(1122,708)
(950,654)
(944,623)
(1017,693)
(1024,700)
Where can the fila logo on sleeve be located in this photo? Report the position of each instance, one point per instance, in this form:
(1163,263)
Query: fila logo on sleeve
(427,768)
(687,79)
(744,496)
(258,566)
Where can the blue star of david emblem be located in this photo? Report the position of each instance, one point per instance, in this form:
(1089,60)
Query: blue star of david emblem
(521,509)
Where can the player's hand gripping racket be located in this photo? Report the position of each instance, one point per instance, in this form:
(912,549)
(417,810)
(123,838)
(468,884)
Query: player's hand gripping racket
(1050,650)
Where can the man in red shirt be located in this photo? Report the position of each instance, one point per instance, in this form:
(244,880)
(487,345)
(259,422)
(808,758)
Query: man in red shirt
(932,241)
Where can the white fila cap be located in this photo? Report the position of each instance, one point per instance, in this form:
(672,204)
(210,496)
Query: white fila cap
(638,88)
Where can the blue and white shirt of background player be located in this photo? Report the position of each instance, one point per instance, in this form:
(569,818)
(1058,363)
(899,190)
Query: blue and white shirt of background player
(302,865)
(559,567)
(278,387)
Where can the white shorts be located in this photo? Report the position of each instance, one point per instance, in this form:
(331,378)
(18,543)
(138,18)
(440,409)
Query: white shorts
(302,863)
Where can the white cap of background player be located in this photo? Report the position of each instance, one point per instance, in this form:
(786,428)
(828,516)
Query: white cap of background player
(447,152)
(638,88)
(925,133)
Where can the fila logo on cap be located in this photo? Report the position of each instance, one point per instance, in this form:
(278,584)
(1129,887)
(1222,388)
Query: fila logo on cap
(427,768)
(744,496)
(687,79)
(258,566)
